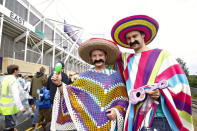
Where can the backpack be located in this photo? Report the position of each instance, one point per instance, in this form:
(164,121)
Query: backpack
(44,98)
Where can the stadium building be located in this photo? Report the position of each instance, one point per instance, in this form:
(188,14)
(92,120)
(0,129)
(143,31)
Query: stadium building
(30,40)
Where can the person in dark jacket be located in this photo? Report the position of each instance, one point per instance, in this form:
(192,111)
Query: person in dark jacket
(38,80)
(52,87)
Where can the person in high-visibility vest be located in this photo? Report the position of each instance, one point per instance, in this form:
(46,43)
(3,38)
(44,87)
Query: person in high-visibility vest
(10,103)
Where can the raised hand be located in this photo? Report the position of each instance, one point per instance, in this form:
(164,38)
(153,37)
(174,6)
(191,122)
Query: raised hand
(111,114)
(56,79)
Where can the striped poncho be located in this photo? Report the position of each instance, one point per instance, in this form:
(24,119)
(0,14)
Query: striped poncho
(84,103)
(148,68)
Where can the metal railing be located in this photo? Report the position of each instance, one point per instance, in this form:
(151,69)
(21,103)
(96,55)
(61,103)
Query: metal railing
(194,105)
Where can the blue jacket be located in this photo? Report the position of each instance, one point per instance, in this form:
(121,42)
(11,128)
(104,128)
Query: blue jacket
(44,98)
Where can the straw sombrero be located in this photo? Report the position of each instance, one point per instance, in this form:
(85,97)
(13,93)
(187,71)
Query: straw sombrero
(98,43)
(142,23)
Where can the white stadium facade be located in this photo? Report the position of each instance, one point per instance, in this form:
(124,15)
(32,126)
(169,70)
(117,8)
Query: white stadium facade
(30,40)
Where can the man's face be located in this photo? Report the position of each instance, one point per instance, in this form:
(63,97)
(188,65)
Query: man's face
(135,39)
(98,58)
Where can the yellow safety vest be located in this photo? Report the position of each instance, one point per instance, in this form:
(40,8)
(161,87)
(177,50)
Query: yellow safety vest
(7,103)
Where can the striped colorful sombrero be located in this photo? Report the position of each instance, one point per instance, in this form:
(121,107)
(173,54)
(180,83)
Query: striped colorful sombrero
(107,46)
(137,22)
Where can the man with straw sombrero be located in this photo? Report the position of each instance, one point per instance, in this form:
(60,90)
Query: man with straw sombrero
(167,109)
(97,100)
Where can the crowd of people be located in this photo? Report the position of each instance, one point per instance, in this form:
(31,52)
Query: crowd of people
(28,93)
(107,96)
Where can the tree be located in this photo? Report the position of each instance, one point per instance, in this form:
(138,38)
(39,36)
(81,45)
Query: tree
(193,81)
(183,65)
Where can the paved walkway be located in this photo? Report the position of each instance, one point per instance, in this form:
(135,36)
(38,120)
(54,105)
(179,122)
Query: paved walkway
(23,123)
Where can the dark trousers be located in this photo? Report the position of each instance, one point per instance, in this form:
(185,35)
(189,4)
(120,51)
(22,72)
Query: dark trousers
(10,122)
(159,124)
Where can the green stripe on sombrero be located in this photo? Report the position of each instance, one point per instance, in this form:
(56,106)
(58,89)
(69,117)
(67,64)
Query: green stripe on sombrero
(132,23)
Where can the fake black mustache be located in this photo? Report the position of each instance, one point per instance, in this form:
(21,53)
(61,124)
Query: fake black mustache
(135,42)
(97,61)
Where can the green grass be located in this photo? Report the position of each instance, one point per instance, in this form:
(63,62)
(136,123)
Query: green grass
(194,96)
(195,123)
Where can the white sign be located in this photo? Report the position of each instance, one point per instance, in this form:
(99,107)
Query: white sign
(17,18)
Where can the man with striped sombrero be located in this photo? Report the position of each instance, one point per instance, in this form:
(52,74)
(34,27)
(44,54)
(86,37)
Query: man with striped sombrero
(166,109)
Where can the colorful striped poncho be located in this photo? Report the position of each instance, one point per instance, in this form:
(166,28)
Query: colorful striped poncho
(148,68)
(84,103)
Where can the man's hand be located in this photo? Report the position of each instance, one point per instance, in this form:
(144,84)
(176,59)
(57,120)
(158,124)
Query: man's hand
(56,79)
(155,94)
(23,110)
(111,114)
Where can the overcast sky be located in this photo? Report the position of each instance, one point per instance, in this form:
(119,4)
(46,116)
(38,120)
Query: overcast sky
(177,20)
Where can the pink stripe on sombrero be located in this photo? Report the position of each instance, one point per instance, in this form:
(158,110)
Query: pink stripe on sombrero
(147,31)
(136,17)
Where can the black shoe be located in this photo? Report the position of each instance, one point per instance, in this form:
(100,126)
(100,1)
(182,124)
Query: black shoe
(33,125)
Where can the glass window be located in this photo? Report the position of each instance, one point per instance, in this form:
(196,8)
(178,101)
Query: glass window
(40,26)
(1,1)
(65,45)
(48,33)
(58,39)
(33,19)
(10,4)
(17,8)
(22,11)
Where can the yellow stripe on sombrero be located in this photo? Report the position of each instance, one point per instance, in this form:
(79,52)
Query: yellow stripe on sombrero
(131,23)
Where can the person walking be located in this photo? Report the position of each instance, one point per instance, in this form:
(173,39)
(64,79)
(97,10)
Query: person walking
(44,103)
(10,103)
(38,80)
